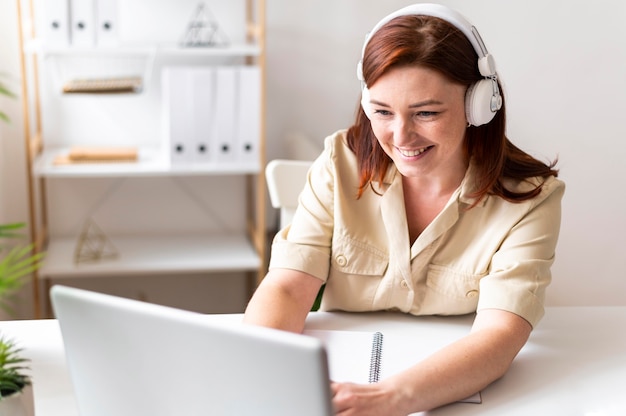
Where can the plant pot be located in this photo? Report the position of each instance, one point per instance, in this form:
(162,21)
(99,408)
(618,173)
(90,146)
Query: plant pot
(18,404)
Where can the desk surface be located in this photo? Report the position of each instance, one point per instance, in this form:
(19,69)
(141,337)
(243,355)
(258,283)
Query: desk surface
(573,364)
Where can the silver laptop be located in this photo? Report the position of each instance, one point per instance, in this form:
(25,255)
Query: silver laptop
(128,357)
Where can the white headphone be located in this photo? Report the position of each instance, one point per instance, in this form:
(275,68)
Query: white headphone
(482,99)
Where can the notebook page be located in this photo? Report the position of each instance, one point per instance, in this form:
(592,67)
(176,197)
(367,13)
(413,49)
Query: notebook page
(349,355)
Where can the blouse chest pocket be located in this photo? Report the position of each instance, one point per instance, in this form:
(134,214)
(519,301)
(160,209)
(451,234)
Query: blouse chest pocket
(453,283)
(356,271)
(354,258)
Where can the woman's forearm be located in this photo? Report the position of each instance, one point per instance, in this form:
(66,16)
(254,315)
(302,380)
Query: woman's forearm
(464,367)
(283,300)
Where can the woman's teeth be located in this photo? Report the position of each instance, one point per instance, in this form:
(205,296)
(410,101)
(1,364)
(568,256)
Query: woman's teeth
(411,153)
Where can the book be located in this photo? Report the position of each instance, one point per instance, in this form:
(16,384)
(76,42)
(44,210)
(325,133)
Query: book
(90,154)
(368,357)
(103,85)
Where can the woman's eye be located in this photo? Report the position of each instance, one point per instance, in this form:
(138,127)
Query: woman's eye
(382,112)
(427,113)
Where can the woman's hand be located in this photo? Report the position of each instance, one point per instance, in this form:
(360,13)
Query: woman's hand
(376,399)
(450,374)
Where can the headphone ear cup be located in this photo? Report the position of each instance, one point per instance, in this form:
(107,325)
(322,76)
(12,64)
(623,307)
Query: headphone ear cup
(365,102)
(478,99)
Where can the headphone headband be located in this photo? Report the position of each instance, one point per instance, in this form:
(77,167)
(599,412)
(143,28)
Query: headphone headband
(486,62)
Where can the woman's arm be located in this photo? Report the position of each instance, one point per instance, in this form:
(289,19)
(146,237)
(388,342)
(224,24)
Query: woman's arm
(283,300)
(451,374)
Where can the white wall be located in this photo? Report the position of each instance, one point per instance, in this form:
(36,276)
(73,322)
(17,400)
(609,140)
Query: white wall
(562,64)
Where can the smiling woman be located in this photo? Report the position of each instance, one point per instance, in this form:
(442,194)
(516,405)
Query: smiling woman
(422,206)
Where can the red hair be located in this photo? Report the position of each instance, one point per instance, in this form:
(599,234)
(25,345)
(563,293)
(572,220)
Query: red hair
(436,44)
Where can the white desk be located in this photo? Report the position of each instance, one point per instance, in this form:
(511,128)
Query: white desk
(573,364)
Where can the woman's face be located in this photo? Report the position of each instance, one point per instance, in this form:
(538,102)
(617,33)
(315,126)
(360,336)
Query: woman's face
(418,117)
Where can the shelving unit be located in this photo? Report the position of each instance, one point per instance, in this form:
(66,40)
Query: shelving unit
(216,250)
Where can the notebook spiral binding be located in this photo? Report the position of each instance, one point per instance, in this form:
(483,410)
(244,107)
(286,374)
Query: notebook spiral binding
(377,349)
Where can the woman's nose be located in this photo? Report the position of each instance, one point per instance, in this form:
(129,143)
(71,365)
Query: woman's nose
(401,129)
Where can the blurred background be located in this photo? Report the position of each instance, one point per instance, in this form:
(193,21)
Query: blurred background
(563,65)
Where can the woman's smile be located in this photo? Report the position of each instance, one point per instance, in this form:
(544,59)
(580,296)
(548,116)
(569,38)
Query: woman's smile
(413,152)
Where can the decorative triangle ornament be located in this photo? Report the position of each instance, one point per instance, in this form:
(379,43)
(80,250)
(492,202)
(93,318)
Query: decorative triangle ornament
(203,30)
(93,245)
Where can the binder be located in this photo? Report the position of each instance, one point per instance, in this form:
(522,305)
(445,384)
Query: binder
(107,22)
(56,23)
(82,15)
(248,121)
(177,88)
(203,114)
(225,110)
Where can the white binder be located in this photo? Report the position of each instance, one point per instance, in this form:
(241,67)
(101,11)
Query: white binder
(56,22)
(225,110)
(83,20)
(248,121)
(177,90)
(107,22)
(203,113)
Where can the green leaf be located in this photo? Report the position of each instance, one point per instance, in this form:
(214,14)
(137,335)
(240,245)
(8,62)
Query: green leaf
(6,230)
(13,376)
(5,91)
(16,265)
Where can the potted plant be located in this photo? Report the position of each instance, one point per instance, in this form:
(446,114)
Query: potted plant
(15,393)
(13,378)
(16,265)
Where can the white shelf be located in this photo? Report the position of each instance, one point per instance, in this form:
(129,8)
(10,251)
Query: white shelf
(155,255)
(170,49)
(151,162)
(243,49)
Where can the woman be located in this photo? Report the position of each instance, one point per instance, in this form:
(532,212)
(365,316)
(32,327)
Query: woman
(423,206)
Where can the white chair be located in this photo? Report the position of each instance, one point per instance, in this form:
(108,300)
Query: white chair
(285,180)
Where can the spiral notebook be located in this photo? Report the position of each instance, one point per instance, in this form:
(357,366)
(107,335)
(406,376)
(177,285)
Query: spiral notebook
(368,357)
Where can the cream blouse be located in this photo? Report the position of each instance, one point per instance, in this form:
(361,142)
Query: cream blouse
(496,255)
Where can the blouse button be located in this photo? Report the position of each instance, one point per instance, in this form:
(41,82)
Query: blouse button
(471,294)
(404,284)
(341,260)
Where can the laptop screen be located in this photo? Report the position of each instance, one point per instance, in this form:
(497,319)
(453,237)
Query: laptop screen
(128,357)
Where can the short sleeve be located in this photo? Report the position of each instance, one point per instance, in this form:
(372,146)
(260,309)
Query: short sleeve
(520,269)
(305,244)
